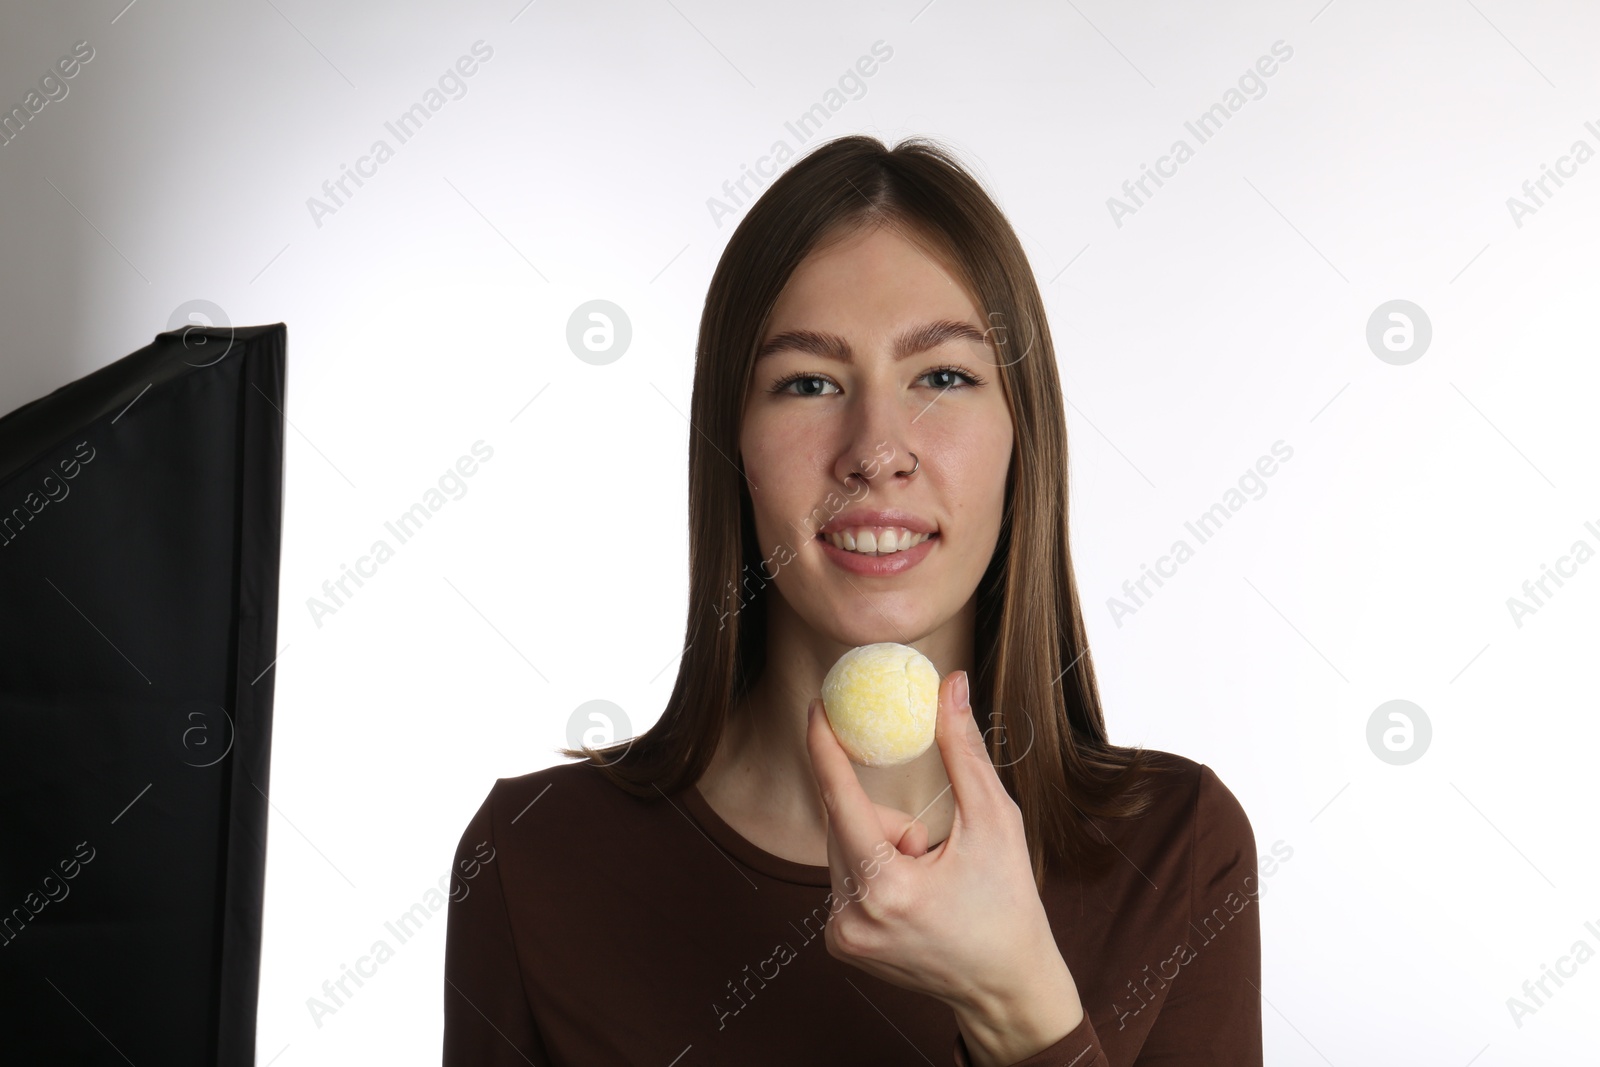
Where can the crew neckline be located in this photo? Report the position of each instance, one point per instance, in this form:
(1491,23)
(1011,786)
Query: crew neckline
(746,851)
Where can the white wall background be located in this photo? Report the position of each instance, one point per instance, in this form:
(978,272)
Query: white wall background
(1228,313)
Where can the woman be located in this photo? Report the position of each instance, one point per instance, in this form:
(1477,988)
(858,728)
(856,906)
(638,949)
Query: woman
(878,454)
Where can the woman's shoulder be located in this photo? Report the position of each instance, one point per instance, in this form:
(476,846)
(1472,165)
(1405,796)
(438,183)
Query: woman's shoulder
(578,774)
(1190,796)
(572,798)
(571,790)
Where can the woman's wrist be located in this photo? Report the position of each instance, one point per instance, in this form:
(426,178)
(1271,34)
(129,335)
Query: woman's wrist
(1006,1026)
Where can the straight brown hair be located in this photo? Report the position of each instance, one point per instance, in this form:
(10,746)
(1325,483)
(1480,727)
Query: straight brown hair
(1048,741)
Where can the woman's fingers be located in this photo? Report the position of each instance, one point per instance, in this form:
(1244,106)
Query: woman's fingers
(966,759)
(853,818)
(908,833)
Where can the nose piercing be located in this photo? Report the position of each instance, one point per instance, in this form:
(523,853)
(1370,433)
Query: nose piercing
(914,466)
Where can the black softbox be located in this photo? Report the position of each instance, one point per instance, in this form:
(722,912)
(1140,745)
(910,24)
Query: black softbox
(140,515)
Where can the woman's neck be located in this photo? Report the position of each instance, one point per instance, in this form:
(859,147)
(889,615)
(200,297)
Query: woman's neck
(760,778)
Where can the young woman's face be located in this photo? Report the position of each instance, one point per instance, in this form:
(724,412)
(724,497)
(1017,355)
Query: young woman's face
(868,298)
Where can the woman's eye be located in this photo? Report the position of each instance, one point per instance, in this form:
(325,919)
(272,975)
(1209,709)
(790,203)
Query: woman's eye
(941,378)
(947,377)
(805,382)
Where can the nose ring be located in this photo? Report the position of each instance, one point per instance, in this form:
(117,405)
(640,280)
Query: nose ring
(914,466)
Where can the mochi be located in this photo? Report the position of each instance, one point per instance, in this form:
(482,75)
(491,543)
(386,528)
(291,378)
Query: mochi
(882,700)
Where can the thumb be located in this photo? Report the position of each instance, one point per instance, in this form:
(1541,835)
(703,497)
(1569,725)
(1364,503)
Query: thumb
(908,833)
(966,758)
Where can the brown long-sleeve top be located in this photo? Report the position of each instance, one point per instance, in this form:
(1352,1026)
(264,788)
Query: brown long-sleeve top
(591,927)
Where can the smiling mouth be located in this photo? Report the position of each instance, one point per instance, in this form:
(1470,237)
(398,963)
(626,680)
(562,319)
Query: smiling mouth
(876,540)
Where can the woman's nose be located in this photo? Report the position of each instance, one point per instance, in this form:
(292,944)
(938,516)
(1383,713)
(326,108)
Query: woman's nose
(876,434)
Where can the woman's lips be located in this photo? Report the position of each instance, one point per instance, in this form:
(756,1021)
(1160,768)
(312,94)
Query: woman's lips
(877,566)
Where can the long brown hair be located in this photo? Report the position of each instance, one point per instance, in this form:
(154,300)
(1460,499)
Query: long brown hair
(1029,626)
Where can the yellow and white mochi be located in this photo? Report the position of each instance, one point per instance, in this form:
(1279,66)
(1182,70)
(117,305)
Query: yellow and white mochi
(882,701)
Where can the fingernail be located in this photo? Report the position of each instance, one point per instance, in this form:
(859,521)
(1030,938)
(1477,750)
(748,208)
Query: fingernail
(963,697)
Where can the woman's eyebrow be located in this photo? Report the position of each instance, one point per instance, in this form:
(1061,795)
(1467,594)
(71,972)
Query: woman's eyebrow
(832,346)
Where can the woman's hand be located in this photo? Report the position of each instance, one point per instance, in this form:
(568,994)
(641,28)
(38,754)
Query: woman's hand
(962,922)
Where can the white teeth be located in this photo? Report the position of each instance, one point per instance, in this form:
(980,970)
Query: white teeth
(880,541)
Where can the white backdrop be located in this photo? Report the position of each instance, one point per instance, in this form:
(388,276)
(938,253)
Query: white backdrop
(1392,154)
